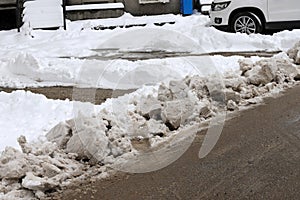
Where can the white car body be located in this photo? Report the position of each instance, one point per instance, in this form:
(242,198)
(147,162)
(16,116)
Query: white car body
(273,14)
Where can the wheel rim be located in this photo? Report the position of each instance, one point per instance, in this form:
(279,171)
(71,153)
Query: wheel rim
(245,24)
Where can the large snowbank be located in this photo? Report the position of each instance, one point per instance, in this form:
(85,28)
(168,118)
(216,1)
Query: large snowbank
(159,121)
(53,56)
(27,70)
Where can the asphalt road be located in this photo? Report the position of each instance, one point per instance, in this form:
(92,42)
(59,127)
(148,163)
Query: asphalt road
(257,157)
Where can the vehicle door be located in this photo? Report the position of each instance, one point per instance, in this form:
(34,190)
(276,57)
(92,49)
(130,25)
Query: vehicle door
(283,10)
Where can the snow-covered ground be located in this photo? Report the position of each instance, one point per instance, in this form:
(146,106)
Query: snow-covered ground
(39,58)
(43,58)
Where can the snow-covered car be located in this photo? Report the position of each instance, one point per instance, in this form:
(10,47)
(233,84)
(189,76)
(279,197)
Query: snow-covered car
(203,6)
(255,16)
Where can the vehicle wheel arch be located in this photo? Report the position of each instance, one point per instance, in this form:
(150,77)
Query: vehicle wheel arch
(259,13)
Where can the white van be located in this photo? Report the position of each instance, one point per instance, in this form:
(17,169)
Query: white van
(255,16)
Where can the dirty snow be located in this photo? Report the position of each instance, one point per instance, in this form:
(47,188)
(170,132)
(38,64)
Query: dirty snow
(161,120)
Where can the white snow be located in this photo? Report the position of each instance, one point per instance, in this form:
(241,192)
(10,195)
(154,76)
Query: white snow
(43,13)
(54,56)
(102,6)
(31,115)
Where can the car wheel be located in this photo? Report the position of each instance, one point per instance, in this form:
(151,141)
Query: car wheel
(246,22)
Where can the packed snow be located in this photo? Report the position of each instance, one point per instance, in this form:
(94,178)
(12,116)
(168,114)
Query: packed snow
(63,142)
(55,57)
(32,115)
(43,14)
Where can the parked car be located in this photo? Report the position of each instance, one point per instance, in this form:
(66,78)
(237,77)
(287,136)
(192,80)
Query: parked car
(255,16)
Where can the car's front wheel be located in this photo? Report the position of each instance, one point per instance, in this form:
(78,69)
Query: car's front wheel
(246,22)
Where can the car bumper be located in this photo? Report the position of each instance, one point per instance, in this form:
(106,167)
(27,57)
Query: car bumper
(222,28)
(219,18)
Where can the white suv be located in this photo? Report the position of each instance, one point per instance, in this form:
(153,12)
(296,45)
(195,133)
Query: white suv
(255,16)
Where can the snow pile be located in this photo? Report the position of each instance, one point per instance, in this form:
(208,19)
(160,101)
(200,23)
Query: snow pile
(56,57)
(275,71)
(260,78)
(111,137)
(26,67)
(138,124)
(39,169)
(32,115)
(125,124)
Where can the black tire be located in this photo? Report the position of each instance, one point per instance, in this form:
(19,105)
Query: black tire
(246,22)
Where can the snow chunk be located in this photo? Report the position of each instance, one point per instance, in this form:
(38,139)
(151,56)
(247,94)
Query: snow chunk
(277,69)
(150,107)
(33,182)
(262,73)
(179,89)
(18,195)
(60,134)
(88,138)
(177,112)
(294,53)
(12,164)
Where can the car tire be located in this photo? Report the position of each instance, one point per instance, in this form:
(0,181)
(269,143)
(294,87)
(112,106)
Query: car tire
(246,22)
